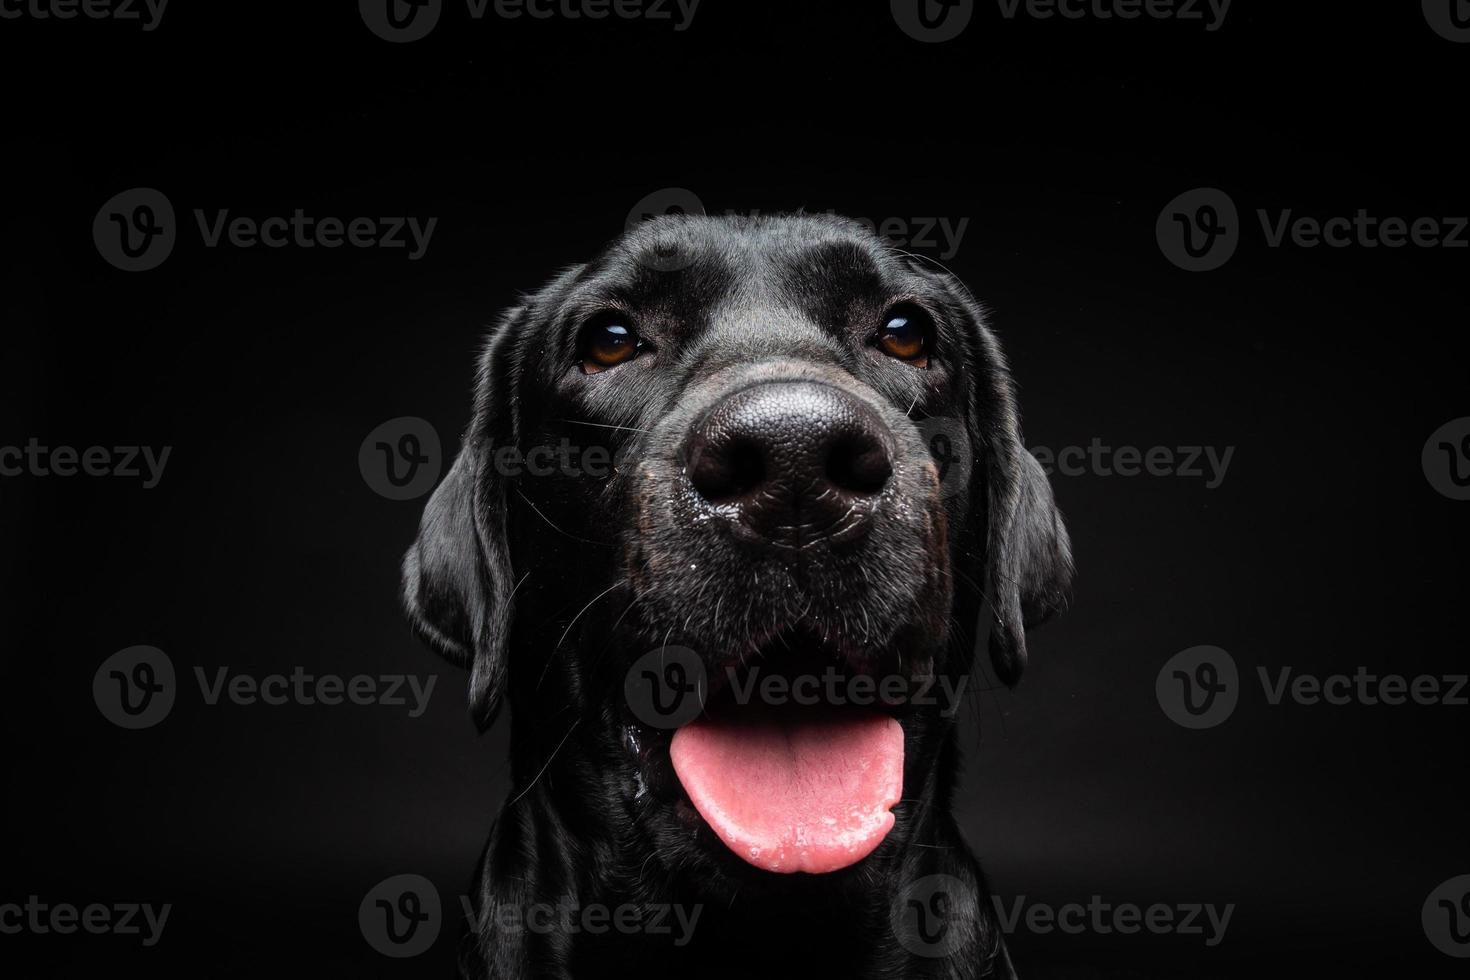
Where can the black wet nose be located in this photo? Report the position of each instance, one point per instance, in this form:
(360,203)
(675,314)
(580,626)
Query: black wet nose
(796,460)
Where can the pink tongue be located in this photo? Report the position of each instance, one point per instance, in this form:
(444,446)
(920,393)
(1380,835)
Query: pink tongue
(797,790)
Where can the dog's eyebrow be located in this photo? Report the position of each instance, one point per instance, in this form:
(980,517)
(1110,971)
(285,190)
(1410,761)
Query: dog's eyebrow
(828,278)
(833,268)
(841,256)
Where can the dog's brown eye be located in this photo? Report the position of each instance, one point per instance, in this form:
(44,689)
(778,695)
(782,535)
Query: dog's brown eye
(905,335)
(607,341)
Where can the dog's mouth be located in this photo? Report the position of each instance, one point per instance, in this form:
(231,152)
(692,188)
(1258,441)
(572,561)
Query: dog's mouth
(794,787)
(795,764)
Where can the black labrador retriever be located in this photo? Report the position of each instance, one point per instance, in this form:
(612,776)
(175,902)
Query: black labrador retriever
(770,468)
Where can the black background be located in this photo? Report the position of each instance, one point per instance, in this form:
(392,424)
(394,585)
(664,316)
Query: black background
(262,548)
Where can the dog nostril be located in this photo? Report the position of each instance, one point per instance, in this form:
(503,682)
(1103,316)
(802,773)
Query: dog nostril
(726,472)
(747,468)
(858,464)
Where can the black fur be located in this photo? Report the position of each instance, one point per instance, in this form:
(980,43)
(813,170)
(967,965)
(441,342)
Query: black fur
(548,587)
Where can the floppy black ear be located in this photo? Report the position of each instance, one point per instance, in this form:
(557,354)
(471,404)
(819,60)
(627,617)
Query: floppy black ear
(457,575)
(1029,557)
(1027,554)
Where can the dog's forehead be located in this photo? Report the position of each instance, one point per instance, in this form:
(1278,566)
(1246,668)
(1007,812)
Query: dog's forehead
(707,261)
(773,237)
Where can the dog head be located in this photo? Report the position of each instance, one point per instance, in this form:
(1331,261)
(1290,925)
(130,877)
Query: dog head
(739,446)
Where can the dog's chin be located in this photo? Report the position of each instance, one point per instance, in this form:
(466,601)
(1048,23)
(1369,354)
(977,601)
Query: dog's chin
(792,771)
